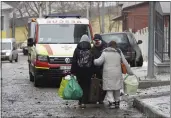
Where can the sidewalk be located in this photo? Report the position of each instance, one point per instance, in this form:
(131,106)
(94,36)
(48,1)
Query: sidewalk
(153,96)
(157,107)
(159,80)
(154,102)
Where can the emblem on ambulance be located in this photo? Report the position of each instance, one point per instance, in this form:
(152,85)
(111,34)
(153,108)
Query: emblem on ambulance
(67,60)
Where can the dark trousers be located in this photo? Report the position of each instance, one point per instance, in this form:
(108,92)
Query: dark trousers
(84,82)
(86,90)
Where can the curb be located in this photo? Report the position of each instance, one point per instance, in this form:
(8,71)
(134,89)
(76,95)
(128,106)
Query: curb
(147,84)
(155,95)
(142,107)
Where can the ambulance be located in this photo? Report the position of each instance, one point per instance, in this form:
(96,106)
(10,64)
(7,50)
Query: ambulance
(51,44)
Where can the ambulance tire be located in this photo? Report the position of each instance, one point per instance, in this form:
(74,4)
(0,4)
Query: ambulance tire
(31,77)
(36,81)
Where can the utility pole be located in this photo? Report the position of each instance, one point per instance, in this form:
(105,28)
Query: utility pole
(170,41)
(47,8)
(13,25)
(88,12)
(151,24)
(40,10)
(102,16)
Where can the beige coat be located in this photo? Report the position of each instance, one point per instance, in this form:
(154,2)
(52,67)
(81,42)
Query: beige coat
(112,73)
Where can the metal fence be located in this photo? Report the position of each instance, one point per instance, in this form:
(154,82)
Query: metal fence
(161,38)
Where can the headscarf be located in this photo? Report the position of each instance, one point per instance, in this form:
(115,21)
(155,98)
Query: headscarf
(85,38)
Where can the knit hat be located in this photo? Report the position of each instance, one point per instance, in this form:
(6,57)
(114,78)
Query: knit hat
(97,37)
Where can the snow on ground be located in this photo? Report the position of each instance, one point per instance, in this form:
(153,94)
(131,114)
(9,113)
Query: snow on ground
(141,72)
(160,104)
(153,90)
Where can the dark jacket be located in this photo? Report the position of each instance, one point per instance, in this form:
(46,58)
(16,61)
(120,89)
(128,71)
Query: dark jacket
(97,51)
(75,69)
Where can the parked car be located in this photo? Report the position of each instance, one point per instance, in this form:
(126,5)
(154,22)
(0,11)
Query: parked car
(129,46)
(9,50)
(25,48)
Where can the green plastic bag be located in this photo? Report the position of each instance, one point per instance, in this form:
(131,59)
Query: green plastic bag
(73,91)
(63,84)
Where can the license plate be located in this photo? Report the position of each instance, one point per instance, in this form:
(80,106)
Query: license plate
(65,67)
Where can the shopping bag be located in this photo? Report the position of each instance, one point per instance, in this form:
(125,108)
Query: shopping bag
(72,91)
(131,84)
(63,84)
(94,90)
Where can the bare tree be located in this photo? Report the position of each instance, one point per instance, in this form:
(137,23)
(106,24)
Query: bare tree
(98,8)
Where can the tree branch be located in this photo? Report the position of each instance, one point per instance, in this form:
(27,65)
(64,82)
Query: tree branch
(36,7)
(27,11)
(29,5)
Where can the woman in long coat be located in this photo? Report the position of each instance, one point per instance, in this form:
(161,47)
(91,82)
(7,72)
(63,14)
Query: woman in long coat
(112,73)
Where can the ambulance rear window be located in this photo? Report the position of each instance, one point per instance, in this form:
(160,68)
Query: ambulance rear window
(62,33)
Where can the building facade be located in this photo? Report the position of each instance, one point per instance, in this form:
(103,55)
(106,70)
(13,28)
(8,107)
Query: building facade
(5,20)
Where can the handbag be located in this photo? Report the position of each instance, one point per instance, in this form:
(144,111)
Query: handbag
(123,67)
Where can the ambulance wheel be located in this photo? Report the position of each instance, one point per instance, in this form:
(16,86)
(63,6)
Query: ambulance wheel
(36,82)
(31,77)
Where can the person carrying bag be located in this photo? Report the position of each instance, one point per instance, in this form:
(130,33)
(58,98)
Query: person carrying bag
(112,75)
(82,67)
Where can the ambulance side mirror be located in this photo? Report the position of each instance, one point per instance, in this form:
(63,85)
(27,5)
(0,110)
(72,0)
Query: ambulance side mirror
(30,42)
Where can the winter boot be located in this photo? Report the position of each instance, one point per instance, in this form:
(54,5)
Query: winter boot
(83,106)
(111,105)
(117,104)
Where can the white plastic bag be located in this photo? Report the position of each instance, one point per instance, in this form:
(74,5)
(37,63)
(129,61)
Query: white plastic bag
(131,84)
(131,80)
(68,77)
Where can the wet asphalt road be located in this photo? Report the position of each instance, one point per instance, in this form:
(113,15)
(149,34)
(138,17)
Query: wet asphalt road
(21,99)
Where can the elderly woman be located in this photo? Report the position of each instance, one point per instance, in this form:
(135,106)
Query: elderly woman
(112,73)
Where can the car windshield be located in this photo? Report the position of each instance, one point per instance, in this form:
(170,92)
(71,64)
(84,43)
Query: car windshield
(118,38)
(62,33)
(6,46)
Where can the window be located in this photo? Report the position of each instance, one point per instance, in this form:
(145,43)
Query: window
(118,38)
(62,33)
(6,45)
(2,22)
